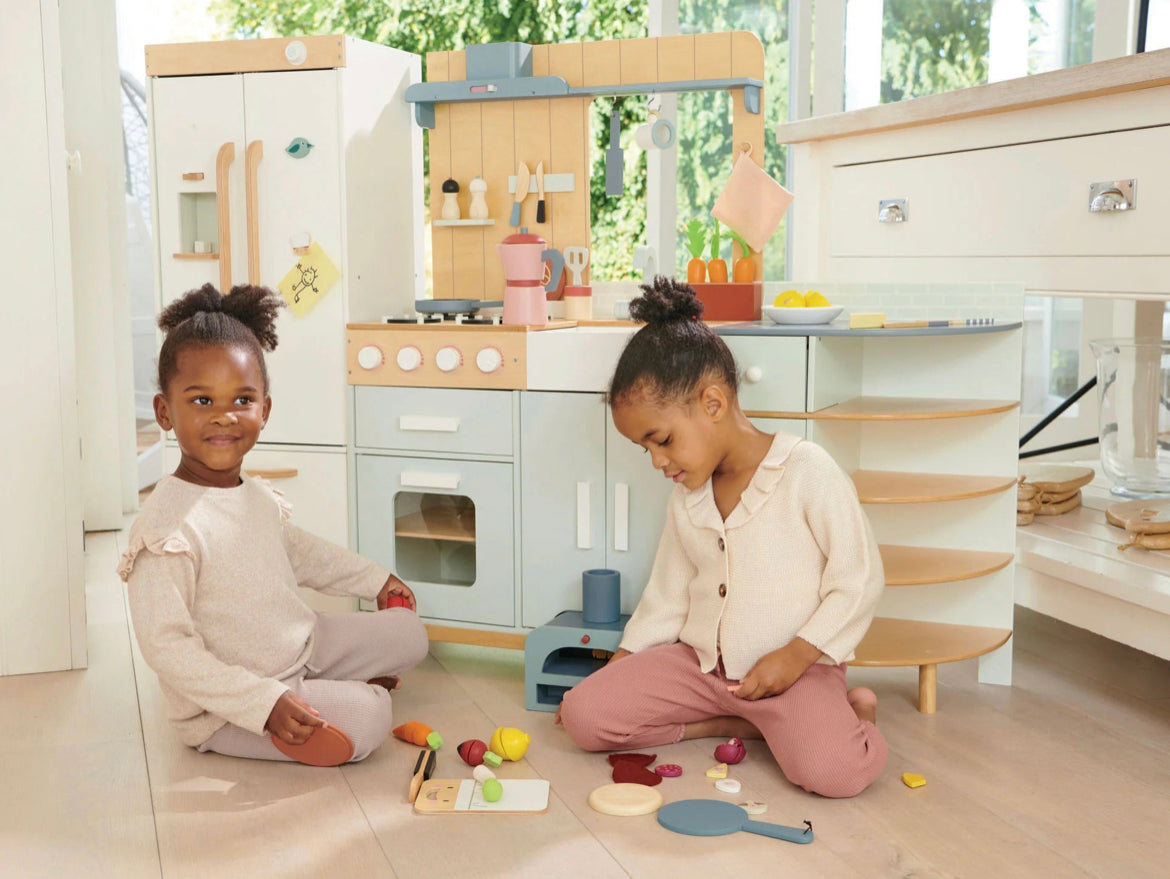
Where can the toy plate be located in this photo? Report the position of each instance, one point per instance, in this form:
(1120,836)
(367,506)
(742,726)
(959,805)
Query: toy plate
(779,315)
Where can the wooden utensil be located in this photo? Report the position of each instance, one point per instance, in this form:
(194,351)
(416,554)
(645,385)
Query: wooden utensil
(717,818)
(522,176)
(540,212)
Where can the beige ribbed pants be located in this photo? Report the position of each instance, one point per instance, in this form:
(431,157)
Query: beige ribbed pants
(348,650)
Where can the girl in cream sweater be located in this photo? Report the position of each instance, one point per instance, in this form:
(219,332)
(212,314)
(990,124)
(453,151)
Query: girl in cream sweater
(766,577)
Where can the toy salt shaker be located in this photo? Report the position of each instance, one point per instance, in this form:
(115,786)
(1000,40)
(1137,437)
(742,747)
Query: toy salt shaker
(479,208)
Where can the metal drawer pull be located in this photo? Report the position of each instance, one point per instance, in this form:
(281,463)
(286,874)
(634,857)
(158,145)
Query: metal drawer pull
(584,532)
(419,479)
(428,423)
(1113,195)
(274,473)
(893,210)
(621,517)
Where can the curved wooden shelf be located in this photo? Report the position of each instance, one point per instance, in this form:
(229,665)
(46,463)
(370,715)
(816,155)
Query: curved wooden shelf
(924,565)
(905,409)
(195,256)
(891,642)
(441,523)
(891,487)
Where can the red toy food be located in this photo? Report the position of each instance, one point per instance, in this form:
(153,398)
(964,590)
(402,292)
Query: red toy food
(397,601)
(668,770)
(472,752)
(732,751)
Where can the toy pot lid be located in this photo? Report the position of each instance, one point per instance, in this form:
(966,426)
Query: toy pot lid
(524,237)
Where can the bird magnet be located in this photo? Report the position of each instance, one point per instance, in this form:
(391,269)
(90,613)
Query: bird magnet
(309,280)
(298,148)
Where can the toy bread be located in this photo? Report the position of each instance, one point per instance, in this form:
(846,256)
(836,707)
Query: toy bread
(1146,522)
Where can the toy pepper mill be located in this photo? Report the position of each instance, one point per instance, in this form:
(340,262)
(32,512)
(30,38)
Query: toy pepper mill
(523,255)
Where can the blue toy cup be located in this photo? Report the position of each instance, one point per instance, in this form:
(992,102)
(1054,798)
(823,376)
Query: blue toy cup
(601,596)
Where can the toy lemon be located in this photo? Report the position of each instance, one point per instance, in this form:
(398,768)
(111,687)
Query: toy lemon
(789,299)
(815,299)
(509,742)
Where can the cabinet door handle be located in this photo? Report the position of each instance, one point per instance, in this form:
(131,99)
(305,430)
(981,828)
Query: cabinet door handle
(621,517)
(272,473)
(428,422)
(223,209)
(584,531)
(419,479)
(252,156)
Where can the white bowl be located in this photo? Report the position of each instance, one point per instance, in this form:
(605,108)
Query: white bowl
(780,315)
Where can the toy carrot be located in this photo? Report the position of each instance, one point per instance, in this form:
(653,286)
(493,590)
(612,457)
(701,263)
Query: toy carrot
(696,239)
(418,734)
(745,267)
(716,267)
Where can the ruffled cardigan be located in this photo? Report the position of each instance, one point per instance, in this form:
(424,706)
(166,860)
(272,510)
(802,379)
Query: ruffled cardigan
(795,558)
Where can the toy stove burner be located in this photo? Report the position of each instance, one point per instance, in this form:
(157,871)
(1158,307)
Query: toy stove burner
(460,319)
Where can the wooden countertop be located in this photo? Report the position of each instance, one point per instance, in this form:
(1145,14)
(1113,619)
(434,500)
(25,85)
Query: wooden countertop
(1131,73)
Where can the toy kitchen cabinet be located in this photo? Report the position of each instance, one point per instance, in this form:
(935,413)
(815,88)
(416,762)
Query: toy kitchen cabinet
(267,155)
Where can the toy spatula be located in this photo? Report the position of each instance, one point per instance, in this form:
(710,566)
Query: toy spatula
(615,159)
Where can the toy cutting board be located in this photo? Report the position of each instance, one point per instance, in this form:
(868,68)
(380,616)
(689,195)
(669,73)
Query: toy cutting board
(445,796)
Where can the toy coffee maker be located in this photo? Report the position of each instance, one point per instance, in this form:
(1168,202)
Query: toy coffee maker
(523,255)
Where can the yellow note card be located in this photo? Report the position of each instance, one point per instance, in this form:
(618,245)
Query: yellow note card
(309,280)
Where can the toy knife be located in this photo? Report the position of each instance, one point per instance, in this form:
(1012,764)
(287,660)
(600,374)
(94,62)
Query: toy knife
(540,214)
(522,176)
(424,767)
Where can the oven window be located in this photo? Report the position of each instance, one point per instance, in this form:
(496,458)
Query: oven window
(434,538)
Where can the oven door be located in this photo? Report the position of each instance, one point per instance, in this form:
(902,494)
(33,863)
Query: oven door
(445,528)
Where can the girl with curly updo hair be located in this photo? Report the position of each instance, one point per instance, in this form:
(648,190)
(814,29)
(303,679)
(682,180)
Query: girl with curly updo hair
(213,565)
(766,578)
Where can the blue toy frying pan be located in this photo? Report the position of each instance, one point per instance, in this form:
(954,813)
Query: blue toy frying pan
(717,818)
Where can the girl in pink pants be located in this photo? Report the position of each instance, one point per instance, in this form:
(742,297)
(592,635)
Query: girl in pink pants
(766,577)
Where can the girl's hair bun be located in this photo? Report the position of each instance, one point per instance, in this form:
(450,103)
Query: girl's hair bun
(666,300)
(254,306)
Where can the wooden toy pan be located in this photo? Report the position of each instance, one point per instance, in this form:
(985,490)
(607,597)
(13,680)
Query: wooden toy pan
(717,818)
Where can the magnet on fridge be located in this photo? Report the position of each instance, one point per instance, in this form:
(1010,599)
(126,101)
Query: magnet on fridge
(298,148)
(309,280)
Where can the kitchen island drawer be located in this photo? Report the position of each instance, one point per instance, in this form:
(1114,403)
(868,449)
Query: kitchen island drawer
(439,420)
(1027,199)
(772,370)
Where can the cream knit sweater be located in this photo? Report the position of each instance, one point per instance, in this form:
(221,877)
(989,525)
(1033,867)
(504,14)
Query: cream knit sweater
(211,575)
(796,555)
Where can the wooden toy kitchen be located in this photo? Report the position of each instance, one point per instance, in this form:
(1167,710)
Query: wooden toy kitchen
(466,434)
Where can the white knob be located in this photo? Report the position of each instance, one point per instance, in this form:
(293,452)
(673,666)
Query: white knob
(753,374)
(370,357)
(448,358)
(489,359)
(296,53)
(409,358)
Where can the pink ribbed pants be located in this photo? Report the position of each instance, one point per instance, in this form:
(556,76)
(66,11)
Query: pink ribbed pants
(646,699)
(348,650)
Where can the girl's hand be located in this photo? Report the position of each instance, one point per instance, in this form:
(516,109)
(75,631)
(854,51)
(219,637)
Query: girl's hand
(617,654)
(292,719)
(775,672)
(394,586)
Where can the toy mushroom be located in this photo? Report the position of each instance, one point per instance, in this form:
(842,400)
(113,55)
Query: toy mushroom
(479,208)
(450,200)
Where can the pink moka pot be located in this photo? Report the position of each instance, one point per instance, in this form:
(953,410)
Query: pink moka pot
(523,256)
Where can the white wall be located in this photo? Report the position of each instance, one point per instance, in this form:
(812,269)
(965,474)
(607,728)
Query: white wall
(42,587)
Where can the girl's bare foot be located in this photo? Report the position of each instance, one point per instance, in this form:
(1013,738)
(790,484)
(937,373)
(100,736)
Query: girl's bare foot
(723,727)
(863,701)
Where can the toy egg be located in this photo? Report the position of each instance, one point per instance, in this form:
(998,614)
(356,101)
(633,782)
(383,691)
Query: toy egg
(732,751)
(509,742)
(472,752)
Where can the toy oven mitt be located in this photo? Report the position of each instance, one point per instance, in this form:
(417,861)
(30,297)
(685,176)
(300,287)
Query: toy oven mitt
(751,203)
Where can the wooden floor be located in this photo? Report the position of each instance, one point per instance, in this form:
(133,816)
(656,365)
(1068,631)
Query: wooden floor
(1067,773)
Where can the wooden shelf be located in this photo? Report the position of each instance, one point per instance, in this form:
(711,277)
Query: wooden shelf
(924,565)
(904,409)
(891,642)
(889,487)
(470,222)
(439,523)
(195,255)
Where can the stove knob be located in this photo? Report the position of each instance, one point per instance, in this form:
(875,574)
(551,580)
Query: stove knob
(370,357)
(489,360)
(448,358)
(409,358)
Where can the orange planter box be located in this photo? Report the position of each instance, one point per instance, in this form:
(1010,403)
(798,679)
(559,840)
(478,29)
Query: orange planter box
(731,301)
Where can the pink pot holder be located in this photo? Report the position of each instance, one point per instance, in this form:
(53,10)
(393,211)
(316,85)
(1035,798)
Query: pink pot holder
(751,203)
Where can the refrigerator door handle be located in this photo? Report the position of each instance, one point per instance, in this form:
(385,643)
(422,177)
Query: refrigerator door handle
(252,156)
(223,163)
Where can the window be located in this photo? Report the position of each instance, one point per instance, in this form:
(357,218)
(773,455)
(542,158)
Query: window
(1156,31)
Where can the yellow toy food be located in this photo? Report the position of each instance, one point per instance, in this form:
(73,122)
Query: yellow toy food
(789,299)
(510,743)
(815,299)
(913,779)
